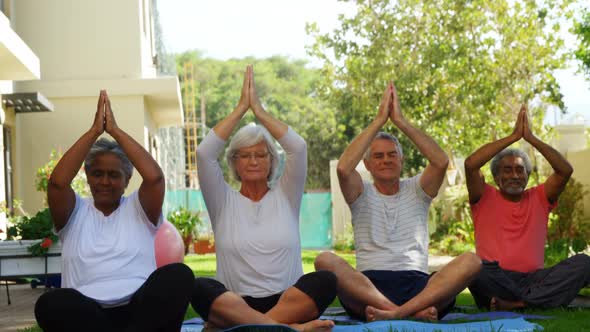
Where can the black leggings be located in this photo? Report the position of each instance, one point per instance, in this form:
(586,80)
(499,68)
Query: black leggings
(158,305)
(320,286)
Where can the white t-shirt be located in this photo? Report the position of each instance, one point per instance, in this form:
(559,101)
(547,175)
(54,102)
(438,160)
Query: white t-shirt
(107,258)
(391,231)
(257,243)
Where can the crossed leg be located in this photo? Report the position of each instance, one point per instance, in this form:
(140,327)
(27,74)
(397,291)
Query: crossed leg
(294,307)
(364,299)
(230,309)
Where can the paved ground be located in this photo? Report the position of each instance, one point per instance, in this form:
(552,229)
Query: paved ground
(19,314)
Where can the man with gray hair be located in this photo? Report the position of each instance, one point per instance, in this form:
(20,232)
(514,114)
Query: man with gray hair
(511,227)
(390,221)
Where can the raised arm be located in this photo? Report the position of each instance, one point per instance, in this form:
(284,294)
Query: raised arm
(225,127)
(350,180)
(151,191)
(562,170)
(473,164)
(60,195)
(438,161)
(275,127)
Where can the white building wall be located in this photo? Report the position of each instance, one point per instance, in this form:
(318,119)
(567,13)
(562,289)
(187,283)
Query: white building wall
(81,39)
(85,46)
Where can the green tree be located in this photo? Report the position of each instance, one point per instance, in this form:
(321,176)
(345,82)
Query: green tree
(462,68)
(287,89)
(582,30)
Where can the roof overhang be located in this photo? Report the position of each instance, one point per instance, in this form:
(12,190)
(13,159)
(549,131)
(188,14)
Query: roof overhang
(27,102)
(17,61)
(162,94)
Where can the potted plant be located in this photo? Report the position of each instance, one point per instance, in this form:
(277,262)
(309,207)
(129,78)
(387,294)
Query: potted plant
(204,244)
(186,222)
(29,241)
(38,228)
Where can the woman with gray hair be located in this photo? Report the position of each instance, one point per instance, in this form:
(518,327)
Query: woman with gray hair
(259,273)
(109,270)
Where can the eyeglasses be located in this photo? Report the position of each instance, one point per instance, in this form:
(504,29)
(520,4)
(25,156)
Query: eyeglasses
(247,156)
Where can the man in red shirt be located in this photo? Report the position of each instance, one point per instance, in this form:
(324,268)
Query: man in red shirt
(511,227)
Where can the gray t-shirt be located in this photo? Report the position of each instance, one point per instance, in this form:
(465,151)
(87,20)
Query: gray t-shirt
(391,231)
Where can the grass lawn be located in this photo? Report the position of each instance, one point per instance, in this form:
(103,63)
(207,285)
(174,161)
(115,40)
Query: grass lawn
(564,319)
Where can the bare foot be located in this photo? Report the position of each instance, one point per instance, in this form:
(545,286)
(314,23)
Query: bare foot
(314,325)
(497,303)
(373,314)
(429,314)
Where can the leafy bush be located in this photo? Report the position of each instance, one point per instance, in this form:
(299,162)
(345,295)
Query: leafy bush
(568,232)
(345,241)
(451,214)
(79,184)
(40,226)
(185,221)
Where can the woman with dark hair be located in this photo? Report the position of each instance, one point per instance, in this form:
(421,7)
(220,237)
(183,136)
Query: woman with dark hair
(259,277)
(109,270)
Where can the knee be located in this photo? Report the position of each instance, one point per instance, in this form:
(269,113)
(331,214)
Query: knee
(54,303)
(177,275)
(582,260)
(471,263)
(207,288)
(321,286)
(43,306)
(181,272)
(326,261)
(205,292)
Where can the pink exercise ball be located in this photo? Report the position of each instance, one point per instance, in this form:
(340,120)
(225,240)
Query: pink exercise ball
(169,247)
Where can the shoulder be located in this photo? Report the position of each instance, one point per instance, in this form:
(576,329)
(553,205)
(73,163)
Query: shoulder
(490,195)
(367,192)
(538,193)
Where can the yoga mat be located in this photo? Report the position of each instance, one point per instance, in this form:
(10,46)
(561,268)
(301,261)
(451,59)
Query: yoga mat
(491,315)
(504,325)
(241,328)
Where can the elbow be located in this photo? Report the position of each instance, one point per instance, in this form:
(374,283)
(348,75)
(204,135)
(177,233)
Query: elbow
(568,171)
(442,163)
(342,171)
(56,184)
(156,179)
(469,164)
(301,147)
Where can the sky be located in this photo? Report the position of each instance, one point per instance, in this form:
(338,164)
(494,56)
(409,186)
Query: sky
(225,29)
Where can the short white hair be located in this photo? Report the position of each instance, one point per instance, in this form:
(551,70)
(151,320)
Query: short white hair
(249,135)
(385,136)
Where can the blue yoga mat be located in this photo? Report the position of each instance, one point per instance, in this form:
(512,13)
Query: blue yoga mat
(455,316)
(491,315)
(504,325)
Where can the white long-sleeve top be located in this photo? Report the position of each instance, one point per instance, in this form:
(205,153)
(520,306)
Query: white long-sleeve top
(257,243)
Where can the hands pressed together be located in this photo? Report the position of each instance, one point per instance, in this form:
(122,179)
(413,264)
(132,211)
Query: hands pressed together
(522,128)
(249,98)
(104,119)
(390,106)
